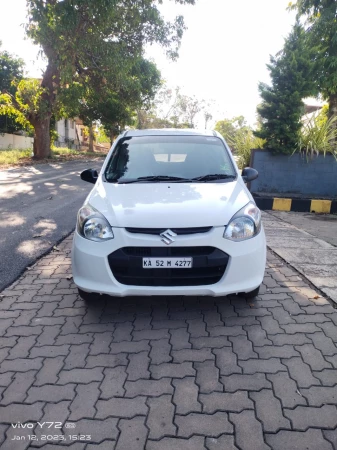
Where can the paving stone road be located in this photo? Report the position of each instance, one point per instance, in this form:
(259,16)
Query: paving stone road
(166,373)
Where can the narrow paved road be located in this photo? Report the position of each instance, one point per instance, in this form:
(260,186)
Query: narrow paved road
(38,206)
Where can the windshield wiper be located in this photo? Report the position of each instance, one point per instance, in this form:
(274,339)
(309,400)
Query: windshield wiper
(213,177)
(157,178)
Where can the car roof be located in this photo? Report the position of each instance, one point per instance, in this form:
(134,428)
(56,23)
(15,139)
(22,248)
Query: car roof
(170,132)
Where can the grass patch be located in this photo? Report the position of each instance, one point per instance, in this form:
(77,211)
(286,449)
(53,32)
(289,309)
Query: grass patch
(63,151)
(9,157)
(24,157)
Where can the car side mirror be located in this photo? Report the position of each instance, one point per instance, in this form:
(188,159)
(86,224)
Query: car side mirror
(89,175)
(249,174)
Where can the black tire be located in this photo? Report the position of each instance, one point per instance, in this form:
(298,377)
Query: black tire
(251,294)
(88,297)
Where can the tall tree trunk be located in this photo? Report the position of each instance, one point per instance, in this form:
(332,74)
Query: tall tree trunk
(333,105)
(41,122)
(140,119)
(91,139)
(41,144)
(112,136)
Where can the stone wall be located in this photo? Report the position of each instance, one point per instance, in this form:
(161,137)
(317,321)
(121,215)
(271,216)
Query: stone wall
(8,141)
(286,174)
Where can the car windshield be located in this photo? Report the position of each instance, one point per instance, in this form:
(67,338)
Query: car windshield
(170,158)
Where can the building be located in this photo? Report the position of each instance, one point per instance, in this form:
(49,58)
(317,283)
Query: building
(71,133)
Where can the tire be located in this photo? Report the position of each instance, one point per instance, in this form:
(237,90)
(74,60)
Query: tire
(88,297)
(251,294)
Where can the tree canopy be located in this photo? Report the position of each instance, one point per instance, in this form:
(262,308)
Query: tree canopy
(93,43)
(11,71)
(173,109)
(239,136)
(321,30)
(112,104)
(229,128)
(291,72)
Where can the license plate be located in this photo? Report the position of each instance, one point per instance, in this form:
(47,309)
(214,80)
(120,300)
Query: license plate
(167,263)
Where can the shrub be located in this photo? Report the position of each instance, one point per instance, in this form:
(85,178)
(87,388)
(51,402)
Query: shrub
(244,142)
(16,156)
(318,135)
(13,156)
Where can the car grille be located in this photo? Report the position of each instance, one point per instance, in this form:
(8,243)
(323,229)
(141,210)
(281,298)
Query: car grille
(178,231)
(209,265)
(167,251)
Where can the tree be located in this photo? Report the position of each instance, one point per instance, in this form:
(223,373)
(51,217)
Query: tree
(24,104)
(320,19)
(11,71)
(244,142)
(228,128)
(207,116)
(172,109)
(291,72)
(84,39)
(188,108)
(240,138)
(111,103)
(162,112)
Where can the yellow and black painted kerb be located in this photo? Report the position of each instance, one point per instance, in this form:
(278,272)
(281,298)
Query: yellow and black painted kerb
(297,204)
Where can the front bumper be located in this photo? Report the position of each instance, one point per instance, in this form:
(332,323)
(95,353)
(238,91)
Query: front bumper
(244,271)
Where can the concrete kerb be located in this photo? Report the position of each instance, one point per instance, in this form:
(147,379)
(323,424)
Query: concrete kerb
(314,205)
(301,275)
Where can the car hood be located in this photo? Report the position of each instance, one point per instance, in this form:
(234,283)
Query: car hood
(168,205)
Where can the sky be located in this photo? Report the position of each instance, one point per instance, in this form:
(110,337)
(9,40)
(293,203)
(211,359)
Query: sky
(223,53)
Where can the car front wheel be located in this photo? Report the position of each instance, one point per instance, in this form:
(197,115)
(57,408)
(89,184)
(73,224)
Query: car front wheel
(251,294)
(88,297)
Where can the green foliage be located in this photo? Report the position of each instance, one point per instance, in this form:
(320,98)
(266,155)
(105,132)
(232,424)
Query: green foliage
(9,109)
(280,111)
(240,138)
(53,133)
(95,52)
(25,104)
(18,156)
(66,152)
(13,156)
(11,71)
(244,142)
(110,103)
(320,19)
(189,108)
(318,135)
(102,137)
(172,109)
(29,97)
(85,33)
(228,128)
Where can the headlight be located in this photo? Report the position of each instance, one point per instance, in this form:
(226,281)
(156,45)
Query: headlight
(92,225)
(245,224)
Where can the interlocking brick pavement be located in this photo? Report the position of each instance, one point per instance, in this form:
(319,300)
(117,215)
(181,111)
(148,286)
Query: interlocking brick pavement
(166,373)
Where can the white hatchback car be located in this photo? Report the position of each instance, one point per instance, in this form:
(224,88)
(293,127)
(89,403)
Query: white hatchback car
(169,214)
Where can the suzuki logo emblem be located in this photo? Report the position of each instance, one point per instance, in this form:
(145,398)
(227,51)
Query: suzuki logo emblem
(167,236)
